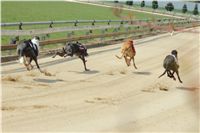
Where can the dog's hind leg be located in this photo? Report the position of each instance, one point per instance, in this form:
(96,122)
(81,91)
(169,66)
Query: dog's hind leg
(134,63)
(26,63)
(29,59)
(162,74)
(35,59)
(30,63)
(84,62)
(27,66)
(177,73)
(25,60)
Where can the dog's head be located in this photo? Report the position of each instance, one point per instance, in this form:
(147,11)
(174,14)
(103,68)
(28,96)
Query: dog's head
(37,38)
(129,40)
(174,52)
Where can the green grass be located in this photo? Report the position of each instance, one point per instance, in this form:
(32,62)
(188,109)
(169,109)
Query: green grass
(45,11)
(33,11)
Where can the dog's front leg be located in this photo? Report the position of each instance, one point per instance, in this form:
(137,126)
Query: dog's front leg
(118,56)
(171,75)
(65,55)
(54,56)
(127,61)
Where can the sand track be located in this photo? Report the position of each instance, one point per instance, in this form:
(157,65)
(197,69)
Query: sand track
(110,97)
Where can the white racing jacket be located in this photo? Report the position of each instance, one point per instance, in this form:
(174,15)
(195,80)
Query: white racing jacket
(36,44)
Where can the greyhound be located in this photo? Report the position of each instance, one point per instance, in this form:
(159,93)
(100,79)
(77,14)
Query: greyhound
(128,52)
(27,51)
(171,64)
(71,49)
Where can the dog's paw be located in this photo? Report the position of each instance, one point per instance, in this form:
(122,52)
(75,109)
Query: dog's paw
(21,60)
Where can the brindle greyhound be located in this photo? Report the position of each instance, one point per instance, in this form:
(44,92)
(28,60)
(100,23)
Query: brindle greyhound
(71,49)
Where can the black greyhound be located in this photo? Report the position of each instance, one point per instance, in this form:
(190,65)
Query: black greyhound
(27,51)
(171,64)
(71,49)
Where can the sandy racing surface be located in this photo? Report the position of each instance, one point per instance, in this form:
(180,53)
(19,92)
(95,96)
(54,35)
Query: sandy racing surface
(111,96)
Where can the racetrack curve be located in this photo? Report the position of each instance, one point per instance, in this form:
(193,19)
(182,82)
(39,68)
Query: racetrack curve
(111,96)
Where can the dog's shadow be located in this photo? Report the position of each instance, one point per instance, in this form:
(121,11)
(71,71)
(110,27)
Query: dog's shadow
(187,88)
(86,72)
(142,73)
(48,80)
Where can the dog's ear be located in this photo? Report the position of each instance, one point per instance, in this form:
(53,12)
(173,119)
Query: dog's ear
(37,37)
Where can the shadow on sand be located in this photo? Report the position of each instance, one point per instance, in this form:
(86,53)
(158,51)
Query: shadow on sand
(86,72)
(142,73)
(48,80)
(187,88)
